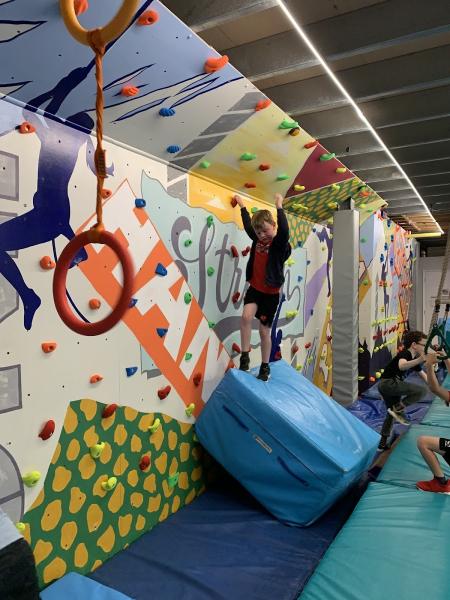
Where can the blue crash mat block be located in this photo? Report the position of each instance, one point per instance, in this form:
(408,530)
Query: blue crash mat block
(74,586)
(224,546)
(438,415)
(395,545)
(405,464)
(294,448)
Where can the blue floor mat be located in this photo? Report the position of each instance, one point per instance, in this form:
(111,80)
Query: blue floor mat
(224,546)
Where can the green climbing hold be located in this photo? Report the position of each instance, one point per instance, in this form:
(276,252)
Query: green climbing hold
(247,156)
(211,324)
(210,271)
(173,479)
(254,210)
(362,205)
(327,156)
(209,220)
(187,297)
(190,409)
(361,377)
(361,350)
(205,164)
(363,240)
(187,356)
(282,177)
(288,124)
(365,282)
(188,243)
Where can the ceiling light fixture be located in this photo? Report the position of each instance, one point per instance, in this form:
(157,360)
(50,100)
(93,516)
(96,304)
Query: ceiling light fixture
(358,111)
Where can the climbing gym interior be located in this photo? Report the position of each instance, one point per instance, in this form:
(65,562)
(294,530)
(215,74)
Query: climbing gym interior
(136,459)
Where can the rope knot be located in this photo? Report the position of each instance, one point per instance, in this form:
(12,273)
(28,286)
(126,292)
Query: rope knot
(95,41)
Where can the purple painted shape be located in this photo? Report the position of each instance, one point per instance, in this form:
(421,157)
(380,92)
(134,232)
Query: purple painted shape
(313,288)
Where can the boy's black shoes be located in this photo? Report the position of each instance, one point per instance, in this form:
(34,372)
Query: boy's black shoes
(264,372)
(244,363)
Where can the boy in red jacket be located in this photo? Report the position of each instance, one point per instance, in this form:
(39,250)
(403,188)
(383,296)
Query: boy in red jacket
(264,273)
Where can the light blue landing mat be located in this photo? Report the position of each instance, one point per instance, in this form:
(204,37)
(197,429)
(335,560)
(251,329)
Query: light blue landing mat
(74,586)
(405,465)
(394,547)
(438,415)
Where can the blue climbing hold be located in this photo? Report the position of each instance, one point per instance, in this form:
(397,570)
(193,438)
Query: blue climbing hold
(299,244)
(314,230)
(173,149)
(312,312)
(133,302)
(299,278)
(140,202)
(161,331)
(392,238)
(161,270)
(381,257)
(308,262)
(389,222)
(130,371)
(166,112)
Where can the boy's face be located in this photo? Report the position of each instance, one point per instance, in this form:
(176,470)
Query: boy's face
(266,232)
(419,347)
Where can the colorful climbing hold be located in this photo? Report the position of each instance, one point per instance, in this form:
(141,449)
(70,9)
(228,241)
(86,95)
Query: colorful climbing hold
(246,250)
(187,297)
(106,193)
(94,303)
(144,463)
(164,392)
(130,371)
(31,478)
(214,64)
(210,271)
(378,374)
(48,347)
(173,480)
(327,156)
(247,156)
(209,220)
(236,348)
(250,185)
(289,262)
(109,410)
(96,450)
(235,297)
(133,302)
(155,425)
(26,127)
(190,409)
(173,149)
(282,177)
(95,378)
(311,144)
(47,430)
(211,324)
(148,17)
(129,90)
(371,379)
(80,6)
(294,131)
(166,112)
(161,270)
(361,377)
(188,243)
(341,170)
(288,124)
(290,314)
(161,331)
(187,356)
(21,527)
(197,379)
(365,282)
(205,164)
(335,187)
(140,202)
(294,349)
(264,167)
(109,484)
(299,188)
(254,210)
(234,252)
(233,202)
(261,104)
(47,263)
(308,345)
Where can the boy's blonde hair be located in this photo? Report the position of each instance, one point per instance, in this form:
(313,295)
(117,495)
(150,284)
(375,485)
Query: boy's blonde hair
(261,217)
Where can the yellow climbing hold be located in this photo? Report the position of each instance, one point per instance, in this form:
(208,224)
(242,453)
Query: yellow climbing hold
(155,425)
(190,409)
(97,449)
(109,484)
(299,188)
(31,478)
(341,170)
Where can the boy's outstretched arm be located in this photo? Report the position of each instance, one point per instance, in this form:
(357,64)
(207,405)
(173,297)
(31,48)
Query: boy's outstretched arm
(433,383)
(282,223)
(246,220)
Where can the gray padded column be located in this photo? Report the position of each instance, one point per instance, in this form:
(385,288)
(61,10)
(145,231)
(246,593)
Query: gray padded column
(345,305)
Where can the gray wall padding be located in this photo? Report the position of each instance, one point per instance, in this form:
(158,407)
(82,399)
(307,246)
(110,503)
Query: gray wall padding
(345,305)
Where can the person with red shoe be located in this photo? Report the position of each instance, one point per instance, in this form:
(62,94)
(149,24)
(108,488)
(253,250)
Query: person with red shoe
(431,446)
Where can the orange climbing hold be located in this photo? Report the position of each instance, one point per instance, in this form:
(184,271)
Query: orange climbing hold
(109,410)
(197,379)
(372,379)
(95,378)
(149,17)
(26,127)
(236,348)
(264,167)
(129,90)
(48,347)
(164,392)
(262,104)
(311,144)
(94,303)
(250,184)
(47,263)
(106,193)
(80,6)
(214,64)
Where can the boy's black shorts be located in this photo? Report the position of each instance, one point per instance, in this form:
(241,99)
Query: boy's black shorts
(267,304)
(444,446)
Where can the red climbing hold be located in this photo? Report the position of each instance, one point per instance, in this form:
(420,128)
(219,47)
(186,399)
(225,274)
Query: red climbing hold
(48,347)
(278,355)
(164,392)
(94,303)
(264,167)
(250,184)
(235,297)
(307,345)
(48,430)
(80,6)
(294,349)
(109,410)
(329,338)
(236,348)
(47,263)
(95,378)
(106,193)
(149,17)
(197,379)
(246,251)
(311,144)
(372,379)
(26,127)
(233,202)
(261,104)
(214,63)
(234,252)
(144,463)
(129,90)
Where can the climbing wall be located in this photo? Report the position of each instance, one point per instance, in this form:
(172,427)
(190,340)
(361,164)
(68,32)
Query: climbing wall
(387,256)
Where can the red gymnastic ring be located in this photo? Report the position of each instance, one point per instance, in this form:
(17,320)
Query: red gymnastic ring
(60,277)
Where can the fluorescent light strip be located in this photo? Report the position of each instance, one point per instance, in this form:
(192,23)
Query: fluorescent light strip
(358,111)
